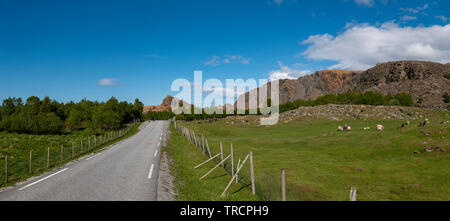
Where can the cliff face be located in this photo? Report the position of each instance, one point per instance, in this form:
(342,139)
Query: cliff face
(164,106)
(424,80)
(309,86)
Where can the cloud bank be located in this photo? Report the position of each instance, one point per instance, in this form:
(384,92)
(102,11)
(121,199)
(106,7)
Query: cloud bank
(362,46)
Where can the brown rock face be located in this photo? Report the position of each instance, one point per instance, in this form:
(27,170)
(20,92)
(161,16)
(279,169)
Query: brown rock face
(310,86)
(423,80)
(164,106)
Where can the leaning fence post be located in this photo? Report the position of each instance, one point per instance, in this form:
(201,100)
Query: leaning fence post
(352,194)
(48,157)
(283,185)
(207,146)
(252,173)
(6,168)
(221,153)
(30,163)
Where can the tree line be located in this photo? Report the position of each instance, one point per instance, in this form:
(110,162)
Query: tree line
(46,116)
(366,98)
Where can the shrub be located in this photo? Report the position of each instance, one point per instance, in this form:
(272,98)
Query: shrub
(405,99)
(446,98)
(447,76)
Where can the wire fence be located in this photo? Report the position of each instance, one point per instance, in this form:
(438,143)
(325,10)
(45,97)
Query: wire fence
(19,165)
(269,185)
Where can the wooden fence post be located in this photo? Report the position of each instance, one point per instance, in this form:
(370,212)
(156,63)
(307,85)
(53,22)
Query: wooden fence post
(48,157)
(89,143)
(237,176)
(352,194)
(207,146)
(62,148)
(232,160)
(221,153)
(252,173)
(81,144)
(73,149)
(6,168)
(203,144)
(283,185)
(31,170)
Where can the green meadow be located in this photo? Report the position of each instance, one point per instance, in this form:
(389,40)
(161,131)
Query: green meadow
(321,163)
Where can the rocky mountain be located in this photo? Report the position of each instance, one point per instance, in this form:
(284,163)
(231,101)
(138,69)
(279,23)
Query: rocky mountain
(164,106)
(425,81)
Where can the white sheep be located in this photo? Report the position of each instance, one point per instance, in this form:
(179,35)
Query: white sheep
(380,127)
(340,128)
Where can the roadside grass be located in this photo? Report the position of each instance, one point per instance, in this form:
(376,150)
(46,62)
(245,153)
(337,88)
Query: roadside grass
(18,147)
(184,157)
(322,163)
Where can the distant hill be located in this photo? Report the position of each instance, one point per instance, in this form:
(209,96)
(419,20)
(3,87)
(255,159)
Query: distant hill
(425,81)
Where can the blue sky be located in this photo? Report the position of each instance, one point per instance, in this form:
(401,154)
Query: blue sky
(70,50)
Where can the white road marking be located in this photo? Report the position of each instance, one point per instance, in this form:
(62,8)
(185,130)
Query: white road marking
(158,143)
(156,152)
(31,184)
(160,138)
(150,173)
(92,156)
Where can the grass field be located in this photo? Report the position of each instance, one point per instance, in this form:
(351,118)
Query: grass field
(18,147)
(185,156)
(322,163)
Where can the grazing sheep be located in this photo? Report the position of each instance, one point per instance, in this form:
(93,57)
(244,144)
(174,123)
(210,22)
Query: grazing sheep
(366,128)
(340,128)
(347,128)
(380,127)
(422,124)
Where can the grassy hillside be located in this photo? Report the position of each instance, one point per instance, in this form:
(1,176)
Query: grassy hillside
(322,163)
(18,147)
(184,157)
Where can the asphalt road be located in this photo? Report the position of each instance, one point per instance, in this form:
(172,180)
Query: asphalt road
(127,170)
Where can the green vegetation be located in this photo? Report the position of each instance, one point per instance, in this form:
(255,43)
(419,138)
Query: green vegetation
(185,157)
(367,98)
(73,145)
(447,76)
(446,98)
(322,163)
(47,116)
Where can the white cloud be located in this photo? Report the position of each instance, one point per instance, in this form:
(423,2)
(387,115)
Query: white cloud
(363,46)
(442,18)
(406,18)
(108,82)
(415,10)
(286,73)
(368,3)
(278,2)
(227,59)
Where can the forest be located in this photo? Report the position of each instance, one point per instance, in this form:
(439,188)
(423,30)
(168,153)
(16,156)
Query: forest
(47,116)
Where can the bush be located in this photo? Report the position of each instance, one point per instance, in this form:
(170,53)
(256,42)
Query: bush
(405,99)
(446,98)
(394,102)
(447,76)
